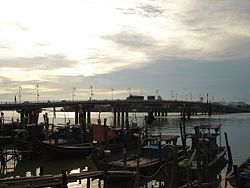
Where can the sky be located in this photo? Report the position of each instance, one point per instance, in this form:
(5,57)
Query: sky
(60,49)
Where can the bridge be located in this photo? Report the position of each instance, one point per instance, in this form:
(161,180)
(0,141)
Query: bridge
(30,110)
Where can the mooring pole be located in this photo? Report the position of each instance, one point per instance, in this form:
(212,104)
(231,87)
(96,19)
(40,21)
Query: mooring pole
(197,145)
(105,133)
(137,177)
(64,178)
(88,182)
(41,173)
(229,153)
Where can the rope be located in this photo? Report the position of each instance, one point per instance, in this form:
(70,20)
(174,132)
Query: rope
(153,175)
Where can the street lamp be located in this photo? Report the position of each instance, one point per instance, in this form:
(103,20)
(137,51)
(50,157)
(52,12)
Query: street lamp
(37,92)
(172,95)
(91,92)
(112,93)
(129,91)
(19,93)
(73,93)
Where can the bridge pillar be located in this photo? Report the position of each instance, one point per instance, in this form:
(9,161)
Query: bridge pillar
(123,122)
(88,116)
(155,111)
(126,117)
(80,117)
(166,112)
(76,116)
(118,116)
(159,112)
(29,116)
(114,118)
(84,117)
(189,114)
(162,112)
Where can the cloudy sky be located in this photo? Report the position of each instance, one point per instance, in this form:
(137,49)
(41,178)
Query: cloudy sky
(184,49)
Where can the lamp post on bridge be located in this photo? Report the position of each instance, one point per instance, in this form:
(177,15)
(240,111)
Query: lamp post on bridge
(190,94)
(129,91)
(73,93)
(172,95)
(19,93)
(37,92)
(91,92)
(112,93)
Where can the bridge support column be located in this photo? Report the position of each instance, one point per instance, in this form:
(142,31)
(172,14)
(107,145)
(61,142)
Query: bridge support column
(76,116)
(29,116)
(82,116)
(88,116)
(189,115)
(155,111)
(114,119)
(122,118)
(159,112)
(166,112)
(119,116)
(162,112)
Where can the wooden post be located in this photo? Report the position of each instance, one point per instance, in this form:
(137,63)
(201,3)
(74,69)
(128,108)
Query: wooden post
(137,177)
(160,151)
(88,182)
(197,145)
(124,152)
(229,153)
(105,133)
(183,132)
(41,173)
(64,178)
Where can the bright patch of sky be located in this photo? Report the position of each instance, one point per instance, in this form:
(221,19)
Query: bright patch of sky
(81,42)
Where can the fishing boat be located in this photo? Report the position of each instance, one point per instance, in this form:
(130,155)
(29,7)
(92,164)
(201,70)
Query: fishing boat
(59,151)
(76,141)
(240,176)
(205,157)
(147,162)
(116,138)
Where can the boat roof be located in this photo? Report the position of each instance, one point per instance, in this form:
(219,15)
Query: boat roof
(208,126)
(167,138)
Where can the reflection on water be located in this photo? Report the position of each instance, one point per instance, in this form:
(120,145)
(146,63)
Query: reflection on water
(237,127)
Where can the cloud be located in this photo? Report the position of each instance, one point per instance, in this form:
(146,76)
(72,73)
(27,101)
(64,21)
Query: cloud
(141,9)
(132,39)
(154,44)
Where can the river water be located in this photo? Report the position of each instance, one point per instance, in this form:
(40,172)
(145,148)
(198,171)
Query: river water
(237,127)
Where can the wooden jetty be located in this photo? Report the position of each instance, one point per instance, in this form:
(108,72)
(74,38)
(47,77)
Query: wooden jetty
(61,180)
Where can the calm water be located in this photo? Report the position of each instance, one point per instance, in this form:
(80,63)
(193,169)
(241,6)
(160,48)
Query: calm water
(237,127)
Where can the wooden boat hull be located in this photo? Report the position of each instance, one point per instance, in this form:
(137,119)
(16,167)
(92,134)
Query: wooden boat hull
(243,175)
(214,166)
(53,151)
(146,167)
